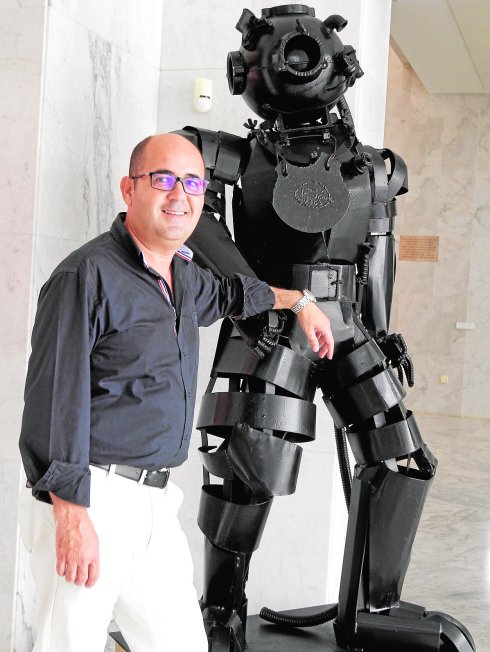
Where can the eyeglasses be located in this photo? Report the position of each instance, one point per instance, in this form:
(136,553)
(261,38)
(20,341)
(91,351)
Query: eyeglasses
(166,181)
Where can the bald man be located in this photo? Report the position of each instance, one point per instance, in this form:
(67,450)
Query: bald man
(109,402)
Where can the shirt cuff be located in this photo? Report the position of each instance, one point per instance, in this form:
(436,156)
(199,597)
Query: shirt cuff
(257,296)
(68,481)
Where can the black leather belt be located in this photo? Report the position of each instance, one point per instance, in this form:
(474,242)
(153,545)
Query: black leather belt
(327,281)
(157,479)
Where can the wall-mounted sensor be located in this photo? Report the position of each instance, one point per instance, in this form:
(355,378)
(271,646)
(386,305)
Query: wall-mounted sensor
(203,93)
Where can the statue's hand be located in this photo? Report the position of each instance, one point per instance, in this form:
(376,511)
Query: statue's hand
(261,333)
(396,352)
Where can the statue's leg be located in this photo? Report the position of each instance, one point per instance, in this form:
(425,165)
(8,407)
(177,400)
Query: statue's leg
(266,409)
(394,470)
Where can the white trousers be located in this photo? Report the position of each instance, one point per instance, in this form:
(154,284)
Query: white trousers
(145,580)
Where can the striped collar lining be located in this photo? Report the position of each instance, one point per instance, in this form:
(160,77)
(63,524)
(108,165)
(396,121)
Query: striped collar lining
(185,253)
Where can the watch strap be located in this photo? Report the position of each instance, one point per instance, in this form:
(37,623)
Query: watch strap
(307,298)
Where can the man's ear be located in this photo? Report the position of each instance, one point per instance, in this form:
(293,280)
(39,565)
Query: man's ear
(127,189)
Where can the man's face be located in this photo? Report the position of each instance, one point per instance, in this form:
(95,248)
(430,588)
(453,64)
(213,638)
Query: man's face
(164,219)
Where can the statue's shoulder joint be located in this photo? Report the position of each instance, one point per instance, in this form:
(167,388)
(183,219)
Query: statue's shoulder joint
(389,174)
(222,152)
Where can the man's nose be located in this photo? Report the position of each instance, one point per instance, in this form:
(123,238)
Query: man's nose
(177,191)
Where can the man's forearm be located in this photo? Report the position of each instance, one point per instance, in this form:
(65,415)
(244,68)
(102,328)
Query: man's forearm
(64,507)
(286,299)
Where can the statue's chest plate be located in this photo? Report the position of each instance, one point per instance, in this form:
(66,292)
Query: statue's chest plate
(312,198)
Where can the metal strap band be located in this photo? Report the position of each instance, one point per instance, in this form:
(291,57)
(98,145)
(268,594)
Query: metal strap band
(216,462)
(266,464)
(228,159)
(382,224)
(358,362)
(220,411)
(208,144)
(383,211)
(382,218)
(397,182)
(380,175)
(282,367)
(387,188)
(360,402)
(386,443)
(231,526)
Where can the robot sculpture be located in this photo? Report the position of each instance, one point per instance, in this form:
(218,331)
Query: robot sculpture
(313,210)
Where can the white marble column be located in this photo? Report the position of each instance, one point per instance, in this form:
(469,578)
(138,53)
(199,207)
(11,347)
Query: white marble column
(299,560)
(99,97)
(21,51)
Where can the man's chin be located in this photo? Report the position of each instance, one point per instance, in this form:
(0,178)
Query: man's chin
(176,235)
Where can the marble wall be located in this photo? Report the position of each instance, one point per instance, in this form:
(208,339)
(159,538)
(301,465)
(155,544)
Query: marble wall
(444,141)
(100,99)
(100,79)
(21,50)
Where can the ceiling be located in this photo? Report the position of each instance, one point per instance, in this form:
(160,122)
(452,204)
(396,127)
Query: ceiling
(447,42)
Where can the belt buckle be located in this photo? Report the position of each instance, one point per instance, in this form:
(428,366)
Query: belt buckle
(333,283)
(158,479)
(324,282)
(143,476)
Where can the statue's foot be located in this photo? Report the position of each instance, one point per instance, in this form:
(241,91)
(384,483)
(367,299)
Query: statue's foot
(224,634)
(407,628)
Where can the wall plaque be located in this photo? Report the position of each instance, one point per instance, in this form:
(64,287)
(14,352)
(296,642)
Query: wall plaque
(424,248)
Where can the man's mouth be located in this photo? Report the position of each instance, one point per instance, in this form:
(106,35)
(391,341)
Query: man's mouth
(180,213)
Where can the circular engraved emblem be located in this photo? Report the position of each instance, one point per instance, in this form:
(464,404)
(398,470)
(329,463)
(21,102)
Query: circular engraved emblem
(310,199)
(313,194)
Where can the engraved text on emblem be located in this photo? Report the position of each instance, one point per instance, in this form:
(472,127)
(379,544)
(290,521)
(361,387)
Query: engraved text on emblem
(313,194)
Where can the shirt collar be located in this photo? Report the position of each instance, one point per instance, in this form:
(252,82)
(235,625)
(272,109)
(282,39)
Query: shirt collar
(123,237)
(184,252)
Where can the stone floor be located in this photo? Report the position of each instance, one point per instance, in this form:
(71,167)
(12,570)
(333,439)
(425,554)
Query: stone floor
(450,567)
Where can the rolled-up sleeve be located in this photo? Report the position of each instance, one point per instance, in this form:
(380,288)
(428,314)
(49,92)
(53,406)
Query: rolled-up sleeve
(219,296)
(55,434)
(257,296)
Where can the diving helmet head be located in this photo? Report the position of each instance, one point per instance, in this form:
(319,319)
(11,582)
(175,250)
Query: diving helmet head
(290,62)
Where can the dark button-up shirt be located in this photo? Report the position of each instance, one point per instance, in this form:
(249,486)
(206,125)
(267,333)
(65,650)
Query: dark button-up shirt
(113,369)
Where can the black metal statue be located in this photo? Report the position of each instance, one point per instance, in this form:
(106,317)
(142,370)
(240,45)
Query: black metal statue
(313,209)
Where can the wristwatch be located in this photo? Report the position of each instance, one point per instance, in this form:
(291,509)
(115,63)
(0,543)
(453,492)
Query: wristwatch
(307,298)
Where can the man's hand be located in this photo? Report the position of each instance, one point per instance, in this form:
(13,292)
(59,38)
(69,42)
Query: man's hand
(314,323)
(77,543)
(316,326)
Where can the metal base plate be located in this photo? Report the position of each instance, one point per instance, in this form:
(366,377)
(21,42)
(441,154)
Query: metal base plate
(265,637)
